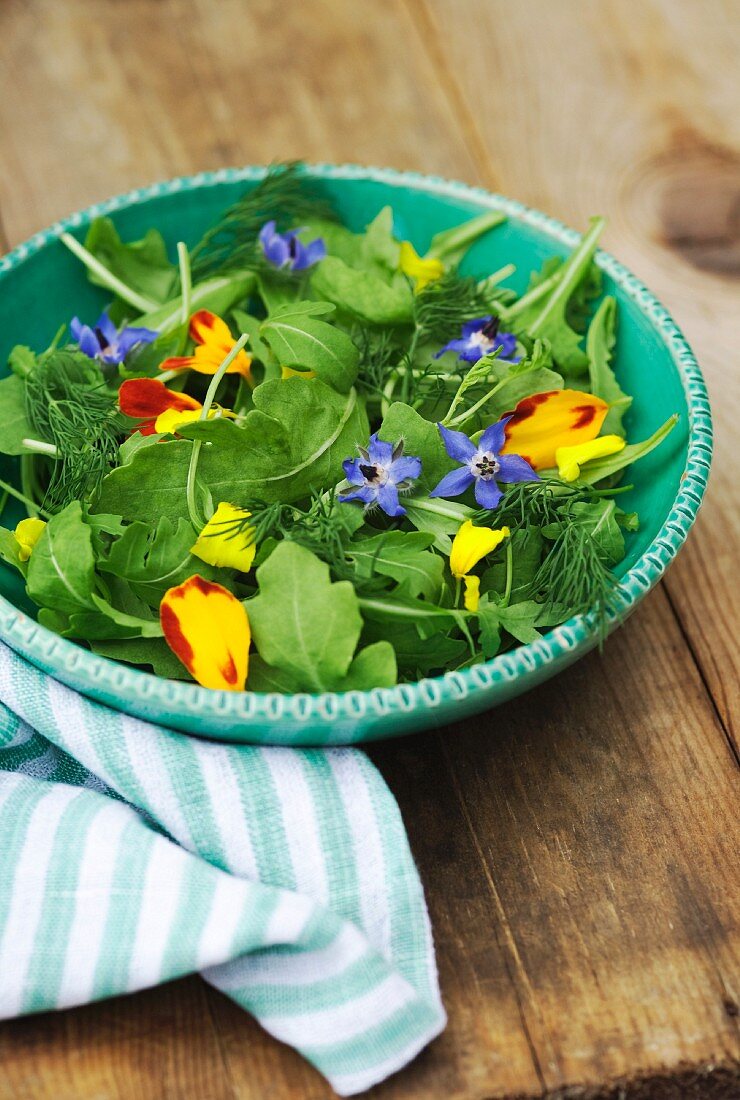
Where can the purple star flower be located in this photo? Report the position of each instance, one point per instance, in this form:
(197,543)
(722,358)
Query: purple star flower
(381,472)
(105,342)
(481,337)
(285,250)
(483,464)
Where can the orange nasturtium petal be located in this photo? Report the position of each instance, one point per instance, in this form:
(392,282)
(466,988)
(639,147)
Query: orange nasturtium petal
(223,540)
(545,421)
(214,342)
(207,628)
(146,398)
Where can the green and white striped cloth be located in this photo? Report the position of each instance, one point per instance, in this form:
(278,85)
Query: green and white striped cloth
(130,855)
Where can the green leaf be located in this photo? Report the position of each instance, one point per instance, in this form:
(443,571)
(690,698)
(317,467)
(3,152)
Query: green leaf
(403,556)
(363,294)
(22,360)
(14,423)
(526,556)
(302,623)
(452,244)
(302,341)
(9,550)
(218,294)
(440,518)
(145,360)
(153,559)
(421,439)
(152,653)
(418,656)
(293,441)
(599,518)
(517,619)
(378,245)
(600,468)
(599,345)
(374,666)
(141,265)
(61,569)
(547,317)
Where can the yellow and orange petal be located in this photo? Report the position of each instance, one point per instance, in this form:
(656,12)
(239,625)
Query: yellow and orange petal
(570,459)
(214,341)
(145,399)
(207,628)
(542,423)
(422,270)
(222,540)
(27,534)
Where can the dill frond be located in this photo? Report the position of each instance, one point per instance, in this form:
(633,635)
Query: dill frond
(574,578)
(68,403)
(286,195)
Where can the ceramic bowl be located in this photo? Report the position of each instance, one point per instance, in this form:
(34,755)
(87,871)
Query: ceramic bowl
(42,286)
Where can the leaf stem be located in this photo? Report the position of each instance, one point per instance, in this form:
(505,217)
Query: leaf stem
(509,573)
(40,447)
(186,280)
(92,263)
(195,518)
(31,506)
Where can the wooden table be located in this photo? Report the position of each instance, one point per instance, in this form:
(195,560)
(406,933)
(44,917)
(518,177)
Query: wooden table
(579,846)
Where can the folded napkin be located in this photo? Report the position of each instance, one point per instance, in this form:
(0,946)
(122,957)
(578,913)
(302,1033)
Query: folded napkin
(130,855)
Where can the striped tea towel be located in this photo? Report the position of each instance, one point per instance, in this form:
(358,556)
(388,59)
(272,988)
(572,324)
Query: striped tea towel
(130,854)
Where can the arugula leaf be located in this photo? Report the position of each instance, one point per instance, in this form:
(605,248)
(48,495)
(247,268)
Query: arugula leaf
(599,518)
(302,623)
(516,619)
(600,468)
(418,656)
(440,518)
(15,425)
(378,245)
(9,550)
(301,340)
(421,438)
(599,344)
(154,653)
(403,556)
(217,294)
(153,559)
(547,317)
(294,440)
(526,555)
(141,265)
(363,294)
(374,666)
(452,244)
(61,569)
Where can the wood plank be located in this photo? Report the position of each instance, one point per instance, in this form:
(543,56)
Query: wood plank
(594,108)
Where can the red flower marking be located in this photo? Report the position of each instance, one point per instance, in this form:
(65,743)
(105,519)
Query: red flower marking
(584,416)
(527,407)
(145,398)
(176,640)
(229,671)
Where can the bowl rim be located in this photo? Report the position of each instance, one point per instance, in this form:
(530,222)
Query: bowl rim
(95,675)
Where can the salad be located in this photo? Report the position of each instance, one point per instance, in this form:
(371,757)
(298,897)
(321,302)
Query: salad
(299,458)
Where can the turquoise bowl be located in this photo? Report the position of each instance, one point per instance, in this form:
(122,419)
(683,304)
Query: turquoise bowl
(42,286)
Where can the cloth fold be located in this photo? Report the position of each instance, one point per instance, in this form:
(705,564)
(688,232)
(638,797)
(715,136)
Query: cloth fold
(132,854)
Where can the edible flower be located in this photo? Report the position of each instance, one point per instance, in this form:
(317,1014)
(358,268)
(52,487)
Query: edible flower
(227,540)
(471,599)
(105,342)
(207,628)
(27,534)
(482,464)
(471,544)
(482,337)
(423,270)
(148,399)
(214,340)
(381,472)
(570,459)
(285,250)
(544,422)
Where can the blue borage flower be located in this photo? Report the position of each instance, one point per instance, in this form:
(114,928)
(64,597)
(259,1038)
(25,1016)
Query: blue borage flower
(381,472)
(105,342)
(482,464)
(285,250)
(482,337)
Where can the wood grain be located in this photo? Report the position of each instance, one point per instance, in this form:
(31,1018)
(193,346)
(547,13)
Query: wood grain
(578,846)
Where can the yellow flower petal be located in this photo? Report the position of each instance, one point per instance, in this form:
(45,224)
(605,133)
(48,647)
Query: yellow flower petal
(423,271)
(471,543)
(472,592)
(288,372)
(542,423)
(207,628)
(27,534)
(221,542)
(570,459)
(170,420)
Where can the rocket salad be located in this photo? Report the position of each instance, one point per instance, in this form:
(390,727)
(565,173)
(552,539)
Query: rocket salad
(300,458)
